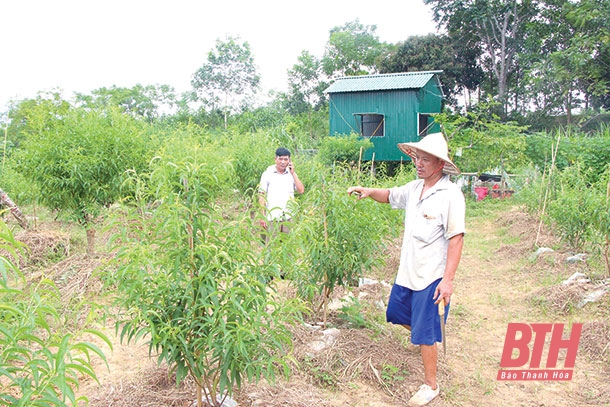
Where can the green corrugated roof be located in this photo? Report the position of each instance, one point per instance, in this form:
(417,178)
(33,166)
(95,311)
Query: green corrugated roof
(390,81)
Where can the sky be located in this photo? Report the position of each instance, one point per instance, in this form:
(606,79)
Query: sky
(82,45)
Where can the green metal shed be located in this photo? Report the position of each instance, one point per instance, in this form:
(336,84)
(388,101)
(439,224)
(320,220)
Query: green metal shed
(387,108)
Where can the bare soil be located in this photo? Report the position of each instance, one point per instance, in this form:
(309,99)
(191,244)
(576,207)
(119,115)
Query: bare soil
(500,280)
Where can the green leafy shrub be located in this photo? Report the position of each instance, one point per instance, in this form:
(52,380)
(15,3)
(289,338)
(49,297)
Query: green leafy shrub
(569,207)
(540,149)
(307,129)
(595,154)
(590,151)
(342,148)
(351,313)
(193,282)
(252,154)
(340,237)
(600,219)
(40,365)
(185,163)
(19,189)
(481,142)
(79,163)
(579,211)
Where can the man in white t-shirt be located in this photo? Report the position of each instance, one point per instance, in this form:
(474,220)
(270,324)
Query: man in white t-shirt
(277,186)
(435,211)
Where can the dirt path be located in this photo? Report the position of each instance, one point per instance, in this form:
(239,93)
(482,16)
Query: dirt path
(496,279)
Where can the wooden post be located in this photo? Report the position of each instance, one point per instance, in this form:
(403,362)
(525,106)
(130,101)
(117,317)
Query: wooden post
(607,248)
(359,166)
(554,150)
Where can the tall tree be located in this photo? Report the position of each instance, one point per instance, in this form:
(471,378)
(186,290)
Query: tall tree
(306,84)
(353,49)
(498,26)
(567,56)
(588,53)
(229,79)
(434,52)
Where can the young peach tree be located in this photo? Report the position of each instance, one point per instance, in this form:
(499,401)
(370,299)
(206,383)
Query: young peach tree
(78,159)
(191,281)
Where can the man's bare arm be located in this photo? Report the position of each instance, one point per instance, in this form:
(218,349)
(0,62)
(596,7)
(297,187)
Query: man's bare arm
(381,195)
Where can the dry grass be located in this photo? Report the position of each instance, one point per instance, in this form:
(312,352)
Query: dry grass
(529,232)
(152,388)
(41,247)
(76,276)
(356,358)
(556,298)
(595,341)
(559,299)
(291,394)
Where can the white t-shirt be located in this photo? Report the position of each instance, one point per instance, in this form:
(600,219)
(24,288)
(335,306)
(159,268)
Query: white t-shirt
(429,224)
(279,190)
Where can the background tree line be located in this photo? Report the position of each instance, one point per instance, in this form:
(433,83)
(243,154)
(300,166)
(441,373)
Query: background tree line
(541,61)
(510,68)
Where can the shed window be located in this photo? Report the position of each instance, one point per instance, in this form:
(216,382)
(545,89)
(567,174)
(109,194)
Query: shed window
(370,124)
(424,124)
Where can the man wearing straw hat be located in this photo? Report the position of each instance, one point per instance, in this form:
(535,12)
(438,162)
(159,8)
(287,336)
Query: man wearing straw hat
(431,250)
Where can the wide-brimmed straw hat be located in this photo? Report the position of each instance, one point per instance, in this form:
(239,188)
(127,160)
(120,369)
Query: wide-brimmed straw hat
(433,144)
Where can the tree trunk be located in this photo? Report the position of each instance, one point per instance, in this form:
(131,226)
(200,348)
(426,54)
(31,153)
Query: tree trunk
(199,396)
(569,107)
(310,124)
(6,201)
(90,241)
(607,248)
(497,33)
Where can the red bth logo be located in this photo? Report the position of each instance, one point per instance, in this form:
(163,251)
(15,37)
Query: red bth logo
(518,338)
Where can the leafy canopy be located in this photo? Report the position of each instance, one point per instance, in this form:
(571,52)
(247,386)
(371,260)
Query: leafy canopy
(229,77)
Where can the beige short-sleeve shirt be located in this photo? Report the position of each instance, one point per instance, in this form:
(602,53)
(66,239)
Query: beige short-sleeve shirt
(429,224)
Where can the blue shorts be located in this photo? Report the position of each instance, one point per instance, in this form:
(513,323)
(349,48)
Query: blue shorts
(417,310)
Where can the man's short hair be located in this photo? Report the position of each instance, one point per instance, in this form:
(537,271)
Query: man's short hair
(280,152)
